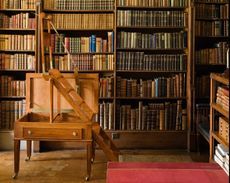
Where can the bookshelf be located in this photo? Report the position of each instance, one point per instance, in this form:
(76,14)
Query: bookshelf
(142,53)
(86,28)
(17,57)
(210,50)
(219,117)
(152,74)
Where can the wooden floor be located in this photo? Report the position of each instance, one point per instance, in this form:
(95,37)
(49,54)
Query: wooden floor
(69,166)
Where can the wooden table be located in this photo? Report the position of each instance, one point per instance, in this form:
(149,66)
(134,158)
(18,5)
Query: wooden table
(63,126)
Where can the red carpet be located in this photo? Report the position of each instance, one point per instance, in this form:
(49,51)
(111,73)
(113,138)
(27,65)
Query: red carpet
(165,172)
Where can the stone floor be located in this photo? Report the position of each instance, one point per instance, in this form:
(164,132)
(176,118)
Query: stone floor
(69,166)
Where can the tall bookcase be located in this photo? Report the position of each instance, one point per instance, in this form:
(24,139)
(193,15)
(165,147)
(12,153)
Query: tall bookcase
(219,120)
(142,52)
(152,74)
(82,37)
(17,57)
(210,55)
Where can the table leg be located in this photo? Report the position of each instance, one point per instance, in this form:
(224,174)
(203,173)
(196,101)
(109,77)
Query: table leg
(28,149)
(16,158)
(93,151)
(89,156)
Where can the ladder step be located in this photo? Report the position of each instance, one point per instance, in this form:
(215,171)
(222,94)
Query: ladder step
(109,152)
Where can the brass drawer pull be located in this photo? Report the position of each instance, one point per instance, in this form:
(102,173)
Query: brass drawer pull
(29,132)
(75,134)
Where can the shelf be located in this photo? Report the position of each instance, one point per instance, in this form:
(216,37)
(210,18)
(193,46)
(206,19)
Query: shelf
(148,71)
(14,70)
(85,30)
(220,110)
(152,50)
(202,2)
(17,10)
(212,19)
(12,97)
(89,71)
(106,98)
(88,53)
(210,65)
(77,11)
(219,139)
(17,30)
(152,27)
(150,8)
(151,98)
(18,51)
(149,139)
(211,37)
(220,78)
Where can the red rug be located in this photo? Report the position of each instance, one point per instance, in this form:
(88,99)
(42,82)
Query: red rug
(125,172)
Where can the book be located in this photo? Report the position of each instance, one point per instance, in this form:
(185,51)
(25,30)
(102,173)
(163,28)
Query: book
(222,149)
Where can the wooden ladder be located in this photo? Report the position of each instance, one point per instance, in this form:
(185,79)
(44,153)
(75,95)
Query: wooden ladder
(85,113)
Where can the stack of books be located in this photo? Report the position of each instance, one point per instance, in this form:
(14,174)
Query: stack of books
(221,156)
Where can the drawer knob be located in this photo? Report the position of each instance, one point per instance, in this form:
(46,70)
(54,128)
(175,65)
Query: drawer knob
(74,133)
(29,132)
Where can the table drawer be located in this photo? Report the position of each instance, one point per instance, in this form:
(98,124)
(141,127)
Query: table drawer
(53,133)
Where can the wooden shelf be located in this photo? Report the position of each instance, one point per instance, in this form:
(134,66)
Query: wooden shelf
(166,29)
(219,139)
(150,8)
(12,97)
(151,98)
(148,71)
(17,10)
(77,11)
(220,78)
(220,109)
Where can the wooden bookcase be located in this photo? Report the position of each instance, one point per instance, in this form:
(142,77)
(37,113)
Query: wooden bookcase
(153,56)
(218,113)
(210,49)
(17,57)
(144,65)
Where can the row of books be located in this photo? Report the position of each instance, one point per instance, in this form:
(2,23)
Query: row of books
(154,116)
(224,129)
(155,62)
(17,61)
(212,11)
(83,21)
(215,55)
(203,86)
(153,3)
(18,4)
(91,44)
(79,4)
(82,62)
(106,115)
(222,97)
(214,28)
(10,111)
(151,18)
(106,86)
(17,42)
(173,86)
(211,1)
(221,157)
(11,87)
(164,40)
(18,21)
(95,62)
